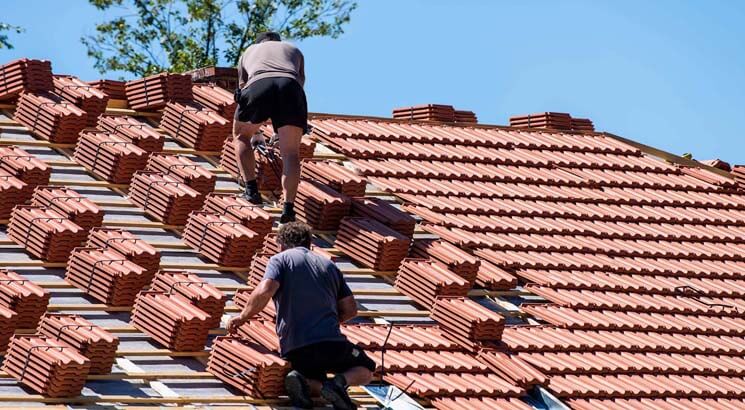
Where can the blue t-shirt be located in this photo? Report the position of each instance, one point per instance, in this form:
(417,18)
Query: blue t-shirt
(310,286)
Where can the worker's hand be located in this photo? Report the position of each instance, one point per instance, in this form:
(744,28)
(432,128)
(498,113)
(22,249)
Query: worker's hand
(234,323)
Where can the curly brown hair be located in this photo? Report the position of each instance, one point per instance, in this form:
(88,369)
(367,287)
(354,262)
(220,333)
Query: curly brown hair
(294,234)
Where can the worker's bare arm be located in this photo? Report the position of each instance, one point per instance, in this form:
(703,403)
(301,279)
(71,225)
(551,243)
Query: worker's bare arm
(347,308)
(256,303)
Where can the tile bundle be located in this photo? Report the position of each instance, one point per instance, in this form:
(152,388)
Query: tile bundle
(582,124)
(426,112)
(69,204)
(261,331)
(163,197)
(457,260)
(195,289)
(320,206)
(196,127)
(106,275)
(114,89)
(221,239)
(467,322)
(171,320)
(553,120)
(248,366)
(512,368)
(423,280)
(215,98)
(184,170)
(91,341)
(235,207)
(83,95)
(46,366)
(8,326)
(13,192)
(154,92)
(258,268)
(271,246)
(24,166)
(225,77)
(128,245)
(371,243)
(335,176)
(44,233)
(240,299)
(132,130)
(109,156)
(385,213)
(50,117)
(28,300)
(492,277)
(24,75)
(466,117)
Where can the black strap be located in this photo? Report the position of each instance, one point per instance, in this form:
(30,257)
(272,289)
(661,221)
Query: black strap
(101,144)
(206,228)
(150,188)
(28,356)
(59,333)
(181,118)
(31,226)
(95,267)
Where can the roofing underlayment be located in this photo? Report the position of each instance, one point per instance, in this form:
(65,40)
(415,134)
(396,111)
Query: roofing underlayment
(493,265)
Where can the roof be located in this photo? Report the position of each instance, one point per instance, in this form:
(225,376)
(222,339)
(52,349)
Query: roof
(603,271)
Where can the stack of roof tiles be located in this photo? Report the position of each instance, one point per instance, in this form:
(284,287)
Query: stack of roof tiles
(635,256)
(195,126)
(465,116)
(93,342)
(320,206)
(44,233)
(31,76)
(163,197)
(424,280)
(70,204)
(248,366)
(216,99)
(371,243)
(258,268)
(225,77)
(467,322)
(114,89)
(106,275)
(8,326)
(28,300)
(335,176)
(12,192)
(261,331)
(128,245)
(221,239)
(240,299)
(265,176)
(109,156)
(27,168)
(154,92)
(134,131)
(235,207)
(83,95)
(582,124)
(192,287)
(458,261)
(46,366)
(426,112)
(50,117)
(172,320)
(185,170)
(553,120)
(385,213)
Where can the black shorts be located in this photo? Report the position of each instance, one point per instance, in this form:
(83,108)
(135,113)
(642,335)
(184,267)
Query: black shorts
(280,99)
(316,360)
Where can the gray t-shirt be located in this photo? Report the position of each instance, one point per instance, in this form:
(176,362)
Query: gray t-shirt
(271,59)
(310,286)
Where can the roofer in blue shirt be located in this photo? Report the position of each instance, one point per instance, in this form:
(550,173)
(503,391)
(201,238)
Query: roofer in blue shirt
(311,298)
(271,75)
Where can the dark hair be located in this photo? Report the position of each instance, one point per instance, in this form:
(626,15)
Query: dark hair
(267,36)
(294,234)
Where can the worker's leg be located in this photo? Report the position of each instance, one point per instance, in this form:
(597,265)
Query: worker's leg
(354,368)
(243,132)
(315,387)
(358,376)
(289,147)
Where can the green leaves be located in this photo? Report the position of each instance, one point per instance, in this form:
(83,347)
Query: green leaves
(4,41)
(151,36)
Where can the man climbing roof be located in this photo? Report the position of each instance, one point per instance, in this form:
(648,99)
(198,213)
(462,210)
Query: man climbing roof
(311,298)
(271,76)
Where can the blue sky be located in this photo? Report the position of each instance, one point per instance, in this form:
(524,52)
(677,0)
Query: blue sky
(666,73)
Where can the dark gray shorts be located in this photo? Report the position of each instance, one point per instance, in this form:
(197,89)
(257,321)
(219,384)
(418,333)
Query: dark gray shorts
(316,360)
(280,99)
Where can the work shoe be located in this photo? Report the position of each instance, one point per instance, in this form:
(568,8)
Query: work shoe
(287,217)
(298,390)
(254,198)
(335,391)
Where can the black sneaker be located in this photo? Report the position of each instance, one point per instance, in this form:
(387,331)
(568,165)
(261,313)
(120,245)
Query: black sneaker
(287,217)
(335,391)
(254,198)
(298,390)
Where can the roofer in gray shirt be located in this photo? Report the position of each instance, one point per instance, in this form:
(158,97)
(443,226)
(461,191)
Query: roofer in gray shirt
(271,75)
(311,298)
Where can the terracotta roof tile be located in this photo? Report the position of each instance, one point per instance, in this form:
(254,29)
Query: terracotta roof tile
(371,243)
(184,170)
(92,341)
(467,322)
(467,403)
(109,156)
(172,320)
(25,75)
(215,98)
(221,239)
(30,170)
(70,204)
(453,384)
(163,197)
(26,299)
(50,117)
(44,233)
(83,95)
(335,176)
(657,403)
(134,131)
(128,245)
(423,280)
(320,206)
(201,294)
(154,92)
(402,337)
(115,89)
(237,208)
(248,367)
(385,213)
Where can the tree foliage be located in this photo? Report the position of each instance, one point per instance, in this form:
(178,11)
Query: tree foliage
(4,28)
(150,36)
